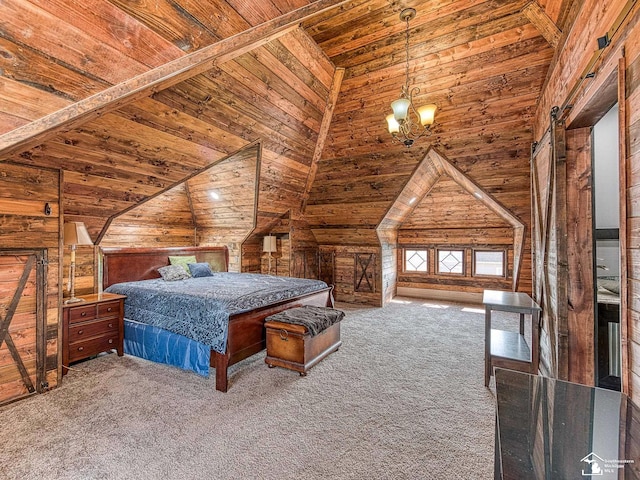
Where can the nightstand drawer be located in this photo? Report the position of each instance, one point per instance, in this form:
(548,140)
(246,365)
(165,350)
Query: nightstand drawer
(80,331)
(82,314)
(109,309)
(78,351)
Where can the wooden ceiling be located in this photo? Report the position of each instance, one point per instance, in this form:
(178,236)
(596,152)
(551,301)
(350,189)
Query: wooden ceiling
(132,97)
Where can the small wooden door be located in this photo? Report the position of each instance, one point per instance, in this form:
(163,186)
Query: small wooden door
(365,272)
(22,323)
(304,263)
(327,267)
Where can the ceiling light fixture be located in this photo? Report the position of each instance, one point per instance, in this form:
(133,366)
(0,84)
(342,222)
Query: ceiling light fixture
(407,123)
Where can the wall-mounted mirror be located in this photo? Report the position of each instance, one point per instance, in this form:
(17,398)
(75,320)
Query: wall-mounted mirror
(606,195)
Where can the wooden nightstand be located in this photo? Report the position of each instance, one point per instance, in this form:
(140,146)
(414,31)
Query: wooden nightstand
(93,326)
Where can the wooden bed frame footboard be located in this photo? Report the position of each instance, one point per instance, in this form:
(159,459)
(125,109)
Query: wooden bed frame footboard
(246,334)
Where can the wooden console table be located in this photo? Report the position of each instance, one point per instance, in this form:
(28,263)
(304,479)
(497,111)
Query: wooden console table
(509,349)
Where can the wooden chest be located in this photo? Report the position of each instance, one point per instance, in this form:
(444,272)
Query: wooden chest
(292,346)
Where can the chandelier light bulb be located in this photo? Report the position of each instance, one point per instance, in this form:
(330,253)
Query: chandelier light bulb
(427,114)
(393,125)
(400,109)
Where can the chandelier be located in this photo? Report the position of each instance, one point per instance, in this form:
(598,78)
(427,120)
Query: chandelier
(407,123)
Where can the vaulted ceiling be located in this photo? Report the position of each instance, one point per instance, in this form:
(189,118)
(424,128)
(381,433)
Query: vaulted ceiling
(131,97)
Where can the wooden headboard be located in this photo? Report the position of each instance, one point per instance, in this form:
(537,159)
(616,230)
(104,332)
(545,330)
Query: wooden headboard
(132,264)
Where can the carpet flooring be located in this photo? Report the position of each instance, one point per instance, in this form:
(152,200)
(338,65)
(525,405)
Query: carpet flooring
(403,398)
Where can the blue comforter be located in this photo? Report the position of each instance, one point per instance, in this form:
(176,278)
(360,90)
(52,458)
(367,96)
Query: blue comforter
(199,308)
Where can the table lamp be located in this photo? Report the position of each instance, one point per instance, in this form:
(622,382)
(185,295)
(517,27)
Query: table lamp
(269,245)
(75,233)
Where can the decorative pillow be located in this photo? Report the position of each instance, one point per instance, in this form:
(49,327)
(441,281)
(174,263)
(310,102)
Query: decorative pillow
(171,273)
(183,261)
(200,270)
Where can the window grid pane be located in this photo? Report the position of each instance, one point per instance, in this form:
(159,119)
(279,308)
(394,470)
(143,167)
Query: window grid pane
(415,261)
(450,261)
(489,263)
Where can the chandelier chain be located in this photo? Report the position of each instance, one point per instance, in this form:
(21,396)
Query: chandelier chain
(407,55)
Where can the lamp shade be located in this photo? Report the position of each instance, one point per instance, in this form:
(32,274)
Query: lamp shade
(400,109)
(427,114)
(393,125)
(75,233)
(269,244)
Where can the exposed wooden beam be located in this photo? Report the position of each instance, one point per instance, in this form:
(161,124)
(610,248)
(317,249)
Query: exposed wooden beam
(157,79)
(537,16)
(324,131)
(194,219)
(478,192)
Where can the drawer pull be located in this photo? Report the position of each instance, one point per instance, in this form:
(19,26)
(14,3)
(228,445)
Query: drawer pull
(284,335)
(110,340)
(80,349)
(83,314)
(80,332)
(111,325)
(109,309)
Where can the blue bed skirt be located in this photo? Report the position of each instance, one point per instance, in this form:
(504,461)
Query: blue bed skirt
(158,345)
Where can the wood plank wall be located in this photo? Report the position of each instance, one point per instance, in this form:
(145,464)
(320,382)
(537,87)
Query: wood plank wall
(349,199)
(224,202)
(119,160)
(85,271)
(297,249)
(485,99)
(632,188)
(24,192)
(215,207)
(164,221)
(594,19)
(278,93)
(437,222)
(389,263)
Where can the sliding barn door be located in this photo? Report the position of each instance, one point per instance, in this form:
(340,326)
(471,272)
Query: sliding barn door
(549,217)
(22,323)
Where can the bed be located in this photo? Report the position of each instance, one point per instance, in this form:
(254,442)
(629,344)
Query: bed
(244,336)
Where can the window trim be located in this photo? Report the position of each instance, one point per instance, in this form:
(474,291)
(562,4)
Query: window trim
(462,250)
(404,260)
(491,250)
